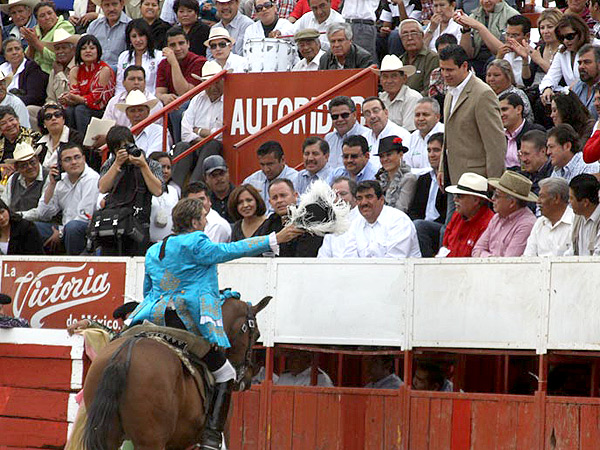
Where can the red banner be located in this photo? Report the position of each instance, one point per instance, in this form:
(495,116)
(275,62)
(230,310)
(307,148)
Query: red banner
(54,294)
(254,100)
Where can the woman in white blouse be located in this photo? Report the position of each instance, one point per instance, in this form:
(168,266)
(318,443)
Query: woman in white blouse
(441,23)
(221,43)
(140,52)
(573,32)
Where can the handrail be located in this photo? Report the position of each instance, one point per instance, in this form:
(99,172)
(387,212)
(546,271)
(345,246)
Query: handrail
(293,115)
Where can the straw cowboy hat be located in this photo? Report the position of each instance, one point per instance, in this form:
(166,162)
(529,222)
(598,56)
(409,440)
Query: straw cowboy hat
(23,152)
(11,3)
(515,185)
(218,33)
(391,63)
(136,98)
(62,37)
(6,78)
(470,184)
(209,69)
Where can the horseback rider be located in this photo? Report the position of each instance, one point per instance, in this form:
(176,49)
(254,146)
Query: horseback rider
(181,290)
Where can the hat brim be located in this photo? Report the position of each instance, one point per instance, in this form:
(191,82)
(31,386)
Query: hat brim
(201,78)
(495,183)
(456,190)
(30,3)
(408,70)
(149,103)
(212,169)
(73,39)
(214,38)
(36,151)
(7,79)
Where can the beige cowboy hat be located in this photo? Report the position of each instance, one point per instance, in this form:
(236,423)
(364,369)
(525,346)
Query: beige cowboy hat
(23,152)
(515,185)
(136,98)
(62,37)
(218,33)
(209,69)
(391,63)
(6,78)
(470,184)
(11,3)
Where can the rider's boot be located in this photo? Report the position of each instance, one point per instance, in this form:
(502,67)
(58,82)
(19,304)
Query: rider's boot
(217,416)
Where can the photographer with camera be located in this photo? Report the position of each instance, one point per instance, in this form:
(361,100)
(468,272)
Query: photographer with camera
(122,226)
(73,190)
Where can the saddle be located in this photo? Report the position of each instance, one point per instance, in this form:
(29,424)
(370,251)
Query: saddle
(188,347)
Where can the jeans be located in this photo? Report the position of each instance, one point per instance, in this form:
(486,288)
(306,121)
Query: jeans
(175,118)
(73,234)
(428,233)
(192,164)
(79,117)
(365,37)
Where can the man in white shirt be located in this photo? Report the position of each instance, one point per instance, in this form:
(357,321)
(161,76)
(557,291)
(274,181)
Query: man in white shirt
(551,233)
(74,195)
(381,231)
(399,99)
(137,108)
(309,47)
(377,119)
(585,233)
(272,165)
(361,15)
(217,228)
(427,122)
(201,119)
(320,18)
(315,153)
(298,371)
(343,115)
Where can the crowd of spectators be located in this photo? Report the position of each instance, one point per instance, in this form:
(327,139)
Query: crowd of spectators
(481,142)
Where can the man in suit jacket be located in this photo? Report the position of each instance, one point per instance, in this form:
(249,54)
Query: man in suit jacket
(474,136)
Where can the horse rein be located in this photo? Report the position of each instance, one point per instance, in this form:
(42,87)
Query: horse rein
(248,325)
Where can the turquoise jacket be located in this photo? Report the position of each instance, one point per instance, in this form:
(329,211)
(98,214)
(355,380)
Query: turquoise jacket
(186,279)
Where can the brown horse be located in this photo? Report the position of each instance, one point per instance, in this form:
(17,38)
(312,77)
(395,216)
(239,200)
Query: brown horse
(144,395)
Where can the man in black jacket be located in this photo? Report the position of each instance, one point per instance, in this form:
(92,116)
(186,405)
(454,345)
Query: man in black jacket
(343,54)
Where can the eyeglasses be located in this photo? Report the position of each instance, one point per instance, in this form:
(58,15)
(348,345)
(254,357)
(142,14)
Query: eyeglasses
(342,115)
(56,114)
(219,44)
(568,36)
(410,34)
(496,195)
(265,5)
(368,113)
(351,156)
(23,164)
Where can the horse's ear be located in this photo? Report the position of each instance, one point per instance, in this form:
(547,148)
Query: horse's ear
(261,305)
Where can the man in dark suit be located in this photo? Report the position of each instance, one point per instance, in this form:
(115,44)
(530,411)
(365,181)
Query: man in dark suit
(515,126)
(428,209)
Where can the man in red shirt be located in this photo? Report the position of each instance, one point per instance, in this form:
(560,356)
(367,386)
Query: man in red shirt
(471,217)
(174,75)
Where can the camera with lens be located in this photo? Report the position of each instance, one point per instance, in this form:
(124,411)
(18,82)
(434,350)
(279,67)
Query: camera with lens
(133,150)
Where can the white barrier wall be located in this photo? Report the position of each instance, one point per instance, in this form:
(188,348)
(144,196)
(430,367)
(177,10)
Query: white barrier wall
(520,303)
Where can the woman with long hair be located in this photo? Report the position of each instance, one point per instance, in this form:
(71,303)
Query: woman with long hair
(567,108)
(248,209)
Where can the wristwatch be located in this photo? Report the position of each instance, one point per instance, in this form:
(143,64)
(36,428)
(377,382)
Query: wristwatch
(465,30)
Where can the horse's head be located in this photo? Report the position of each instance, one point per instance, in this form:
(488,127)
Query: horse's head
(242,330)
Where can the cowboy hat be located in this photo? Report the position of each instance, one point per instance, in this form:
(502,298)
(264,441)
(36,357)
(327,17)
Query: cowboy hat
(515,185)
(470,184)
(391,143)
(5,8)
(23,152)
(6,78)
(136,98)
(209,69)
(218,33)
(391,63)
(62,37)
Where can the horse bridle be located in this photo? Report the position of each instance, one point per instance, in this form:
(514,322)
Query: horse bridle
(248,325)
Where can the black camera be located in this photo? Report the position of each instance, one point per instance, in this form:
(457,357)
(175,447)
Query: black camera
(133,150)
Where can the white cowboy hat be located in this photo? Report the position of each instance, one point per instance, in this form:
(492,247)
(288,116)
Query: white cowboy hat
(218,33)
(470,184)
(23,152)
(6,78)
(62,37)
(136,98)
(391,63)
(515,185)
(209,69)
(31,3)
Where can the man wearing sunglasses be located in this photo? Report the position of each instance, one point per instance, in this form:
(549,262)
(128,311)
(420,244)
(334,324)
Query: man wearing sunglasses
(357,165)
(269,24)
(343,115)
(234,22)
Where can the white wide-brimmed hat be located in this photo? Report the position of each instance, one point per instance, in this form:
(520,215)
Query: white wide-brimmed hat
(470,184)
(218,33)
(515,185)
(391,63)
(6,78)
(209,69)
(23,152)
(136,98)
(62,37)
(11,3)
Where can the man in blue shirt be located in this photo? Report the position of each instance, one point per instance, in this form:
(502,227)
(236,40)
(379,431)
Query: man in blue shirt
(355,154)
(110,30)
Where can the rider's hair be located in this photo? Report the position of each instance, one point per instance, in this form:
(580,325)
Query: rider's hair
(184,212)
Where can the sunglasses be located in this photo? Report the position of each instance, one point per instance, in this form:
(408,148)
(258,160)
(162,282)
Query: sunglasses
(56,114)
(265,5)
(342,115)
(567,37)
(220,45)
